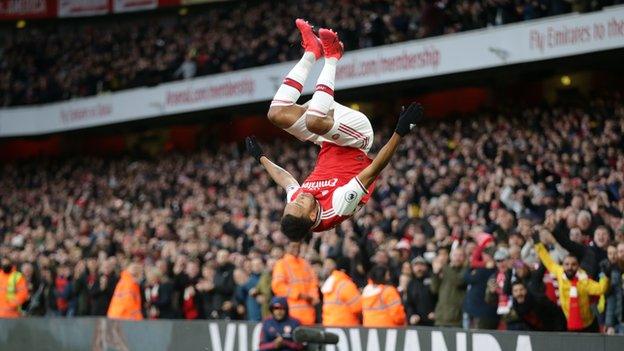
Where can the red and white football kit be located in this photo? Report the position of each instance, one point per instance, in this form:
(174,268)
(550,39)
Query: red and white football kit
(334,184)
(351,128)
(344,147)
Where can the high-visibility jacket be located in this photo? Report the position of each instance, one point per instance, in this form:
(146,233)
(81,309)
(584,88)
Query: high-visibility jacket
(126,301)
(342,304)
(293,276)
(13,293)
(382,306)
(585,287)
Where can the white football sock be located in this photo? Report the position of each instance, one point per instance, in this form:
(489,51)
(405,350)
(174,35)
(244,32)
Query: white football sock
(323,97)
(290,90)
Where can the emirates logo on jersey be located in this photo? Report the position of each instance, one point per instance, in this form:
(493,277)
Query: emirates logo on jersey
(317,184)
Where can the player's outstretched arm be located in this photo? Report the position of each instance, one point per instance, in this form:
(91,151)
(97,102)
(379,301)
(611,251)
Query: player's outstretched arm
(277,173)
(407,120)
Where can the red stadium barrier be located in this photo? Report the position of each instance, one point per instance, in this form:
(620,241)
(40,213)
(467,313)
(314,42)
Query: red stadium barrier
(463,100)
(12,150)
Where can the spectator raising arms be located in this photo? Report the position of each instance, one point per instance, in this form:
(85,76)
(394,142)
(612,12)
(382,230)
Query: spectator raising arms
(575,287)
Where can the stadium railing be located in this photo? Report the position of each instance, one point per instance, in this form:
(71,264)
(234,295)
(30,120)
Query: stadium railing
(105,334)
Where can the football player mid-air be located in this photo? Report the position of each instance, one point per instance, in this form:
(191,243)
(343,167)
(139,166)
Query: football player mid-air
(344,176)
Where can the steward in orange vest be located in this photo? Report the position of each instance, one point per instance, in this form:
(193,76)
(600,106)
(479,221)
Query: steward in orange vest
(126,301)
(13,291)
(381,303)
(342,304)
(294,278)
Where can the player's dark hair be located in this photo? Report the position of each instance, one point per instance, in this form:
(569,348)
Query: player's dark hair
(378,274)
(296,228)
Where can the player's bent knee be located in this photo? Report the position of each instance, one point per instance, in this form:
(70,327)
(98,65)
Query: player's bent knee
(273,114)
(277,117)
(318,125)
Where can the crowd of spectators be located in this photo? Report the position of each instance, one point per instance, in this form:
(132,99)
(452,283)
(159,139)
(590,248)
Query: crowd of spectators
(454,218)
(51,61)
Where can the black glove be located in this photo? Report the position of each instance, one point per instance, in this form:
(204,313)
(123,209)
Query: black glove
(408,118)
(253,147)
(605,267)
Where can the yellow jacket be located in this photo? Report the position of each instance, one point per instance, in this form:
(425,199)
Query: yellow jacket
(585,286)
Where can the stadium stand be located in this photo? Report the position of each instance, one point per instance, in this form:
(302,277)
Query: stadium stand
(209,240)
(62,59)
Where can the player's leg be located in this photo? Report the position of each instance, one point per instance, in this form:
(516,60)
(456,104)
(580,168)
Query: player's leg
(350,128)
(317,119)
(284,112)
(334,122)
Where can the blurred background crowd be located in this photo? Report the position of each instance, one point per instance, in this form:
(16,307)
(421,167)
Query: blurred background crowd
(481,222)
(57,60)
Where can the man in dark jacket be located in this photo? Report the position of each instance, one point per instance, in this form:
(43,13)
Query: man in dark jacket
(520,271)
(224,284)
(101,291)
(33,306)
(614,320)
(245,292)
(85,280)
(482,314)
(186,283)
(158,294)
(536,312)
(588,255)
(277,330)
(419,302)
(206,293)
